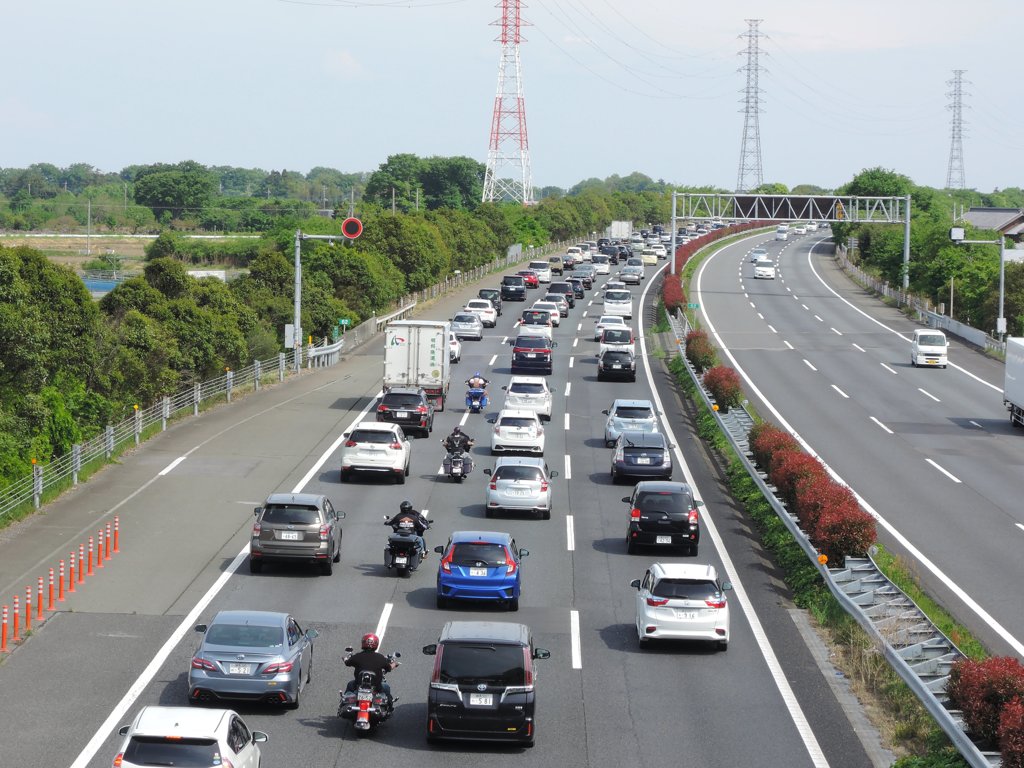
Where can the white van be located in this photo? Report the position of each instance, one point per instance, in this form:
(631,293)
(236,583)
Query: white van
(928,348)
(782,232)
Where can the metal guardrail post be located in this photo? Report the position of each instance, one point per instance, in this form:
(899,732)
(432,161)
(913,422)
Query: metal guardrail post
(280,366)
(76,462)
(37,483)
(230,379)
(257,370)
(197,394)
(137,425)
(108,440)
(165,413)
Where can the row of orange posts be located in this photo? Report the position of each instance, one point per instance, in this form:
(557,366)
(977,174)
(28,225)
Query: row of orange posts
(90,558)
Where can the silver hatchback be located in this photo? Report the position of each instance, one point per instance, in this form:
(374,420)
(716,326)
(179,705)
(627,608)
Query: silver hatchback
(638,415)
(519,485)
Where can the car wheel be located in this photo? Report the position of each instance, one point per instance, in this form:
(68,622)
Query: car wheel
(406,470)
(723,645)
(255,566)
(630,547)
(546,514)
(298,689)
(694,548)
(345,476)
(643,643)
(609,443)
(488,512)
(337,554)
(442,602)
(513,604)
(400,478)
(913,362)
(327,567)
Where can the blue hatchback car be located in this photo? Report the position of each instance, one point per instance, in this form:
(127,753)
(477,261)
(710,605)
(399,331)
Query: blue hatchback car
(480,565)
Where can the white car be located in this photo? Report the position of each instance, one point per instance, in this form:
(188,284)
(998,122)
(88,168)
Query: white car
(585,253)
(799,229)
(764,270)
(758,254)
(602,264)
(649,257)
(377,447)
(189,736)
(608,321)
(575,253)
(660,251)
(782,232)
(682,601)
(618,303)
(517,431)
(543,270)
(529,393)
(615,285)
(812,226)
(631,274)
(484,309)
(454,348)
(617,338)
(552,307)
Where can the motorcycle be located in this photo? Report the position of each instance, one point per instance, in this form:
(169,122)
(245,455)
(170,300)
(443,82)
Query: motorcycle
(366,704)
(403,552)
(457,464)
(476,399)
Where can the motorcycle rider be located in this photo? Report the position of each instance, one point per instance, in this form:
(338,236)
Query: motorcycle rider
(410,520)
(458,442)
(476,381)
(370,660)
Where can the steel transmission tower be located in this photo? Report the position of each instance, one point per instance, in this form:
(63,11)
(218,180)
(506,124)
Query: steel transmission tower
(509,145)
(749,176)
(955,170)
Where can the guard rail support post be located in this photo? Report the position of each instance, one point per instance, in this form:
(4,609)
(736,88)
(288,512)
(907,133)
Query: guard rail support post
(108,440)
(165,413)
(257,371)
(137,425)
(76,462)
(280,366)
(197,393)
(37,484)
(230,380)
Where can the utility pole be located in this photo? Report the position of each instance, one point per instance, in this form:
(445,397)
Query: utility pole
(955,169)
(392,200)
(750,175)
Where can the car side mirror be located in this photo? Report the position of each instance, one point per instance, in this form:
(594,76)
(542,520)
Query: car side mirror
(123,730)
(439,549)
(553,474)
(256,510)
(554,344)
(698,503)
(635,583)
(340,513)
(345,434)
(541,653)
(312,634)
(626,499)
(487,471)
(727,585)
(491,419)
(201,627)
(504,388)
(524,552)
(605,411)
(397,654)
(430,650)
(671,446)
(259,737)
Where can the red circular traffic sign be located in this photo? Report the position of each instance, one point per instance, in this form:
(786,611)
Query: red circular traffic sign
(352,227)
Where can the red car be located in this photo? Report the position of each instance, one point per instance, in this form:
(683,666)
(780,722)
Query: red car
(530,277)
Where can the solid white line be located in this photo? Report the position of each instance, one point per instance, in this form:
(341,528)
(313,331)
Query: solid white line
(837,333)
(575,342)
(1019,525)
(772,328)
(837,389)
(571,361)
(465,418)
(946,472)
(788,344)
(567,422)
(568,387)
(818,318)
(890,370)
(334,446)
(568,467)
(574,640)
(882,425)
(929,394)
(172,465)
(858,346)
(493,358)
(808,364)
(570,533)
(382,625)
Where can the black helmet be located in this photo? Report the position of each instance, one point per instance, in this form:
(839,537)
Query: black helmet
(457,430)
(405,506)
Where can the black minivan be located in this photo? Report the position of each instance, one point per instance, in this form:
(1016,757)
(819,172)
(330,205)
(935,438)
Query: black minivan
(482,687)
(513,288)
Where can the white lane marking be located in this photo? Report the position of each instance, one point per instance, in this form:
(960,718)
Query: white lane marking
(575,342)
(334,446)
(970,421)
(795,297)
(837,333)
(493,358)
(571,361)
(570,533)
(567,422)
(928,394)
(788,344)
(904,542)
(579,327)
(172,465)
(517,323)
(504,339)
(805,307)
(1019,525)
(425,512)
(440,470)
(882,425)
(568,467)
(590,303)
(752,305)
(809,365)
(382,625)
(946,472)
(837,389)
(465,418)
(746,295)
(764,645)
(574,640)
(818,318)
(772,328)
(890,370)
(583,315)
(858,346)
(568,388)
(789,289)
(760,315)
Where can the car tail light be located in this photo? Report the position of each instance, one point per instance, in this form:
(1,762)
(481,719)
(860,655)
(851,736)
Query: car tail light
(325,532)
(718,602)
(256,529)
(278,668)
(199,662)
(382,409)
(421,409)
(666,459)
(634,514)
(693,517)
(396,445)
(510,563)
(436,676)
(494,485)
(446,561)
(657,601)
(497,430)
(540,431)
(543,486)
(351,443)
(527,667)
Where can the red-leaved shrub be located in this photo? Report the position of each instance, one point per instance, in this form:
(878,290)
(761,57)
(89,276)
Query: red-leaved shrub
(842,531)
(981,690)
(724,385)
(815,493)
(699,351)
(770,443)
(1011,733)
(672,296)
(793,467)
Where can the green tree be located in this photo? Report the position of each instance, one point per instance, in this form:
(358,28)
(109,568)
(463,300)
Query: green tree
(174,190)
(400,173)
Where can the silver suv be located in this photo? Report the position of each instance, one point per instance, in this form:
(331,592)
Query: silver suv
(296,527)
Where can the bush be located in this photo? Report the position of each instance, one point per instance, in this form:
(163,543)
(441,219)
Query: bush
(770,442)
(981,690)
(1011,733)
(814,494)
(843,531)
(672,295)
(724,385)
(793,467)
(699,351)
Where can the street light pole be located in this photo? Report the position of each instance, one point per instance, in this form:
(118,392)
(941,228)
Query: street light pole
(672,256)
(956,234)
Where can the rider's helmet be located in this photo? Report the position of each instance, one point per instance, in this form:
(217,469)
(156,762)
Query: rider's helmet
(457,430)
(405,506)
(477,375)
(370,642)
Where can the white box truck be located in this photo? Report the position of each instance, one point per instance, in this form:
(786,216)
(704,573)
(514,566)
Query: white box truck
(416,355)
(1013,380)
(620,230)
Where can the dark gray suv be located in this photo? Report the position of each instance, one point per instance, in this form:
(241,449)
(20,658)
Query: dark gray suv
(482,687)
(408,406)
(296,527)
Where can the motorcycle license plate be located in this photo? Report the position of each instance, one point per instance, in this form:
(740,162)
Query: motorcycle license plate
(456,470)
(643,460)
(364,696)
(289,535)
(663,540)
(239,669)
(477,571)
(401,560)
(481,699)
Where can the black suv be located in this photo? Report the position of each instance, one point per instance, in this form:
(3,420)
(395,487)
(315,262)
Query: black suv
(616,364)
(513,288)
(493,295)
(662,514)
(408,406)
(482,687)
(532,354)
(566,290)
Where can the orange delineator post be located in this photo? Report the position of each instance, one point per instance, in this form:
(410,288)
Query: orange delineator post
(81,563)
(71,573)
(49,603)
(99,549)
(116,534)
(14,638)
(39,603)
(107,555)
(60,586)
(28,608)
(90,572)
(3,632)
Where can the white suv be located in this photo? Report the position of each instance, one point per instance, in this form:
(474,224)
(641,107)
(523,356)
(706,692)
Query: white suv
(543,270)
(529,393)
(517,430)
(618,303)
(677,601)
(189,736)
(376,446)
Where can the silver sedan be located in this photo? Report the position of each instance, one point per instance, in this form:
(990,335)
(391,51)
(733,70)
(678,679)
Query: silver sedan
(466,325)
(519,485)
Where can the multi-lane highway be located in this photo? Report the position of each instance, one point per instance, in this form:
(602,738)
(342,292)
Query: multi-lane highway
(185,502)
(930,451)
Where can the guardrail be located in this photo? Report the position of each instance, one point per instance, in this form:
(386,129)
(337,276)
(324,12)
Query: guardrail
(917,650)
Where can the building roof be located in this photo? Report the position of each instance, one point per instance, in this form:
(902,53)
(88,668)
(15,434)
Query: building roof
(1009,221)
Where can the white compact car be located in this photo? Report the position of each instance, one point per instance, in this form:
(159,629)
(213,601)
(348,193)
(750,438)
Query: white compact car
(543,270)
(764,270)
(454,348)
(608,321)
(551,308)
(682,601)
(649,257)
(517,431)
(618,303)
(617,338)
(189,736)
(529,393)
(758,254)
(378,447)
(484,309)
(660,251)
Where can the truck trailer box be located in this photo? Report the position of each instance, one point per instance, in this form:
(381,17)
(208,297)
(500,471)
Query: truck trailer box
(416,355)
(1013,380)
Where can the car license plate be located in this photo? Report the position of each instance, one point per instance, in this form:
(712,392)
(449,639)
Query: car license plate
(239,669)
(517,492)
(616,366)
(531,354)
(401,560)
(686,614)
(477,571)
(662,539)
(402,414)
(289,535)
(364,696)
(643,460)
(481,699)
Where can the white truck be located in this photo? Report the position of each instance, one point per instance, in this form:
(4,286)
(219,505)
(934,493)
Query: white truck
(1013,381)
(620,230)
(416,355)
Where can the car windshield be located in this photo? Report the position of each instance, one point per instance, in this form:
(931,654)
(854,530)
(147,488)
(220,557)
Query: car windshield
(478,304)
(686,589)
(244,636)
(274,514)
(371,436)
(538,265)
(931,340)
(470,553)
(547,306)
(478,664)
(517,473)
(465,318)
(526,388)
(488,293)
(618,335)
(401,400)
(633,412)
(179,752)
(674,502)
(616,296)
(601,259)
(517,422)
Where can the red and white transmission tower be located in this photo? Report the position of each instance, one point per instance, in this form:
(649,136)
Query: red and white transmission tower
(509,145)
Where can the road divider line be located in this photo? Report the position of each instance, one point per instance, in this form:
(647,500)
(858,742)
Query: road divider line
(334,446)
(571,361)
(818,318)
(567,422)
(787,344)
(760,315)
(504,339)
(493,358)
(928,394)
(568,467)
(579,327)
(890,370)
(882,425)
(806,307)
(970,421)
(837,333)
(382,625)
(809,365)
(858,346)
(772,328)
(837,389)
(1020,525)
(753,306)
(583,315)
(590,303)
(172,465)
(944,471)
(465,418)
(574,640)
(575,341)
(570,533)
(568,388)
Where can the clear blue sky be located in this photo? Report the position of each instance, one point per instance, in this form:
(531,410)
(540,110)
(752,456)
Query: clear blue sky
(611,86)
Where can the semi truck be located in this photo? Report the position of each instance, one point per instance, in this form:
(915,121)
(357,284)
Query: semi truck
(1013,380)
(416,355)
